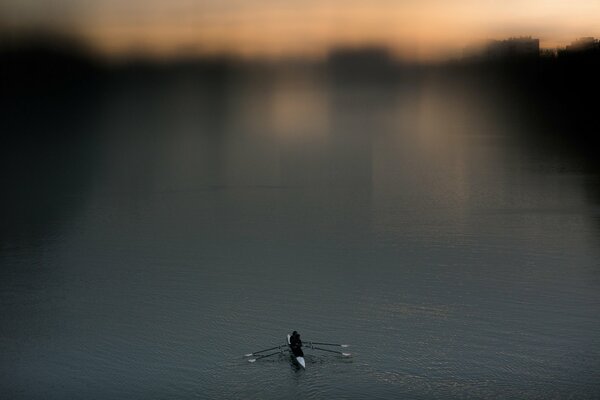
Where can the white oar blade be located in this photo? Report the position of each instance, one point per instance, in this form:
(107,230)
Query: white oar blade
(346,354)
(248,355)
(252,360)
(345,345)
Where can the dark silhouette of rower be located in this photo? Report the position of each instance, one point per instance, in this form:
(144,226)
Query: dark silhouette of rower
(296,344)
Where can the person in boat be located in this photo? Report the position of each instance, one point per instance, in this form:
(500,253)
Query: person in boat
(296,344)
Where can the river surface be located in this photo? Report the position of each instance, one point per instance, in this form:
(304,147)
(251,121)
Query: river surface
(158,230)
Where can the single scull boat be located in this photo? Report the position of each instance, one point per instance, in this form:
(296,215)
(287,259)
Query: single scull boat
(297,353)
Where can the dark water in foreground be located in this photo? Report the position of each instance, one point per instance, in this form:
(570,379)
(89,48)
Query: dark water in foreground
(166,228)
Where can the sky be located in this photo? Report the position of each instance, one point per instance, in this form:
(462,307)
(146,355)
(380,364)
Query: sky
(421,29)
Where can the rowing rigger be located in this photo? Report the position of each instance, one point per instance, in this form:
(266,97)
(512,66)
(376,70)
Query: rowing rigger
(298,357)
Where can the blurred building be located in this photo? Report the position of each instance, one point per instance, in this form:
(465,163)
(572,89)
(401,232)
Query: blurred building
(513,48)
(584,44)
(582,59)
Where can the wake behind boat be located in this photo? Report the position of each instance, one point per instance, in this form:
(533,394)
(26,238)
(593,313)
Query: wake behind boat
(294,346)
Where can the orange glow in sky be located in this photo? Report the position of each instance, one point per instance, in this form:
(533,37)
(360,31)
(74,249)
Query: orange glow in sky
(422,29)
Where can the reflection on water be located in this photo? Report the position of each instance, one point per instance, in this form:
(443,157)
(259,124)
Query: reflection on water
(157,229)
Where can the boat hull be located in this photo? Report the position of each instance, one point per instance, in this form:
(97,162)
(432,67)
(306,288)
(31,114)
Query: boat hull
(300,360)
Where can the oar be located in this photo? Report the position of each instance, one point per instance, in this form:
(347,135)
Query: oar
(265,356)
(262,351)
(333,351)
(330,344)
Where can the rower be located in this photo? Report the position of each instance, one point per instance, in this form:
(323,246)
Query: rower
(296,344)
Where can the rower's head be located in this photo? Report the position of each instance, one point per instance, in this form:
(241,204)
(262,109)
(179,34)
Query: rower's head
(295,333)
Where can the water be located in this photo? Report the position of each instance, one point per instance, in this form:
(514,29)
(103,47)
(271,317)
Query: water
(161,229)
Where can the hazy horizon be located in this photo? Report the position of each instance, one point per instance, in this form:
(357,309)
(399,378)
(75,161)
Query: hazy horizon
(425,30)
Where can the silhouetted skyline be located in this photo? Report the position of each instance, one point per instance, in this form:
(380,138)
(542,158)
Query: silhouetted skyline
(53,42)
(421,30)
